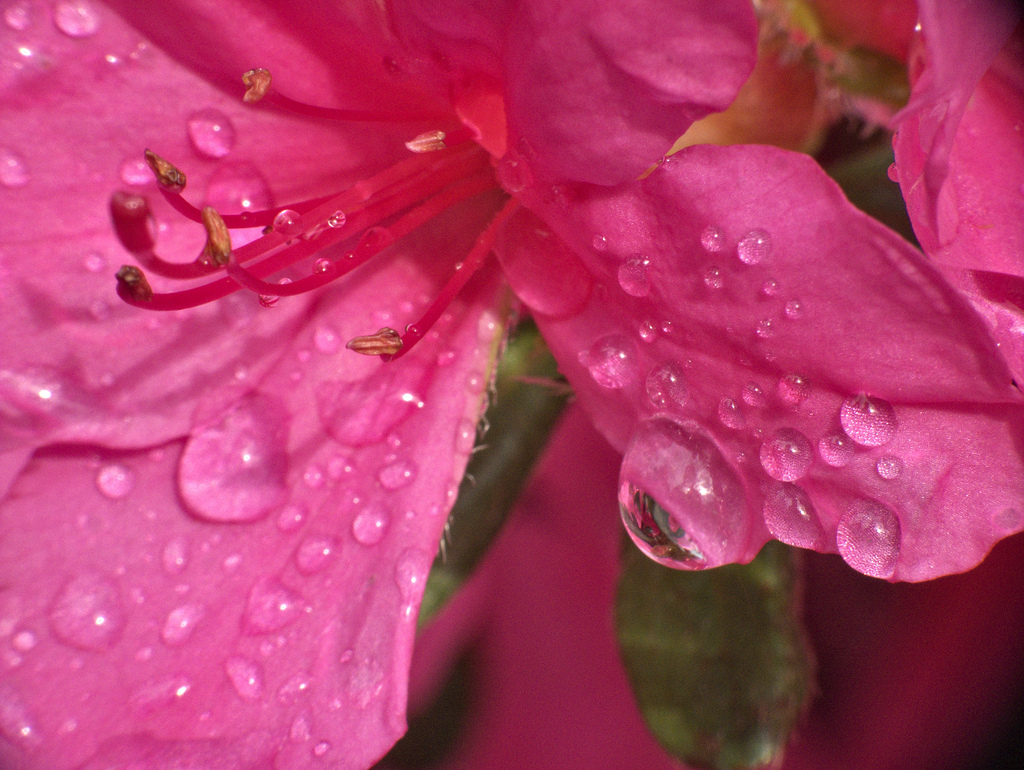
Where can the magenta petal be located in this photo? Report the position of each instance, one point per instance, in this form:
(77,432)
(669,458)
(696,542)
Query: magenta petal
(797,342)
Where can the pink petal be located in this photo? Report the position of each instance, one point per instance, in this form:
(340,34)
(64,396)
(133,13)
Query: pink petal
(799,315)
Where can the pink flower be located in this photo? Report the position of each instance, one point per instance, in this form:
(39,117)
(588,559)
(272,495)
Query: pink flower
(218,523)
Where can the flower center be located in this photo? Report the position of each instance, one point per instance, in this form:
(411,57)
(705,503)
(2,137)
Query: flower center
(446,168)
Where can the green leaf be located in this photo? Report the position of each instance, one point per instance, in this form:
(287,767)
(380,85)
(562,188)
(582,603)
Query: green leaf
(717,659)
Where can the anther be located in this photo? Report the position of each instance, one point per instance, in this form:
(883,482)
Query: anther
(257,83)
(217,250)
(132,282)
(386,342)
(167,174)
(431,141)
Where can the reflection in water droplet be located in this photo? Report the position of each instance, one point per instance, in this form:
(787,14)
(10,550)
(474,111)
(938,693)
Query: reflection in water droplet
(868,537)
(235,470)
(180,623)
(794,389)
(889,467)
(786,454)
(115,480)
(681,501)
(791,518)
(175,556)
(246,677)
(397,474)
(13,171)
(666,386)
(730,415)
(76,18)
(754,247)
(314,554)
(712,239)
(612,361)
(88,613)
(836,450)
(270,607)
(868,421)
(211,132)
(633,277)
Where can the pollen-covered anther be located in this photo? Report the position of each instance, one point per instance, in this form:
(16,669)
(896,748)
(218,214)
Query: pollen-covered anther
(167,174)
(257,83)
(430,141)
(386,342)
(217,250)
(132,281)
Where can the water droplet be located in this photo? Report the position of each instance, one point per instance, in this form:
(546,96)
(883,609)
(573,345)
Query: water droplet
(370,525)
(889,467)
(764,328)
(836,450)
(712,239)
(868,421)
(364,412)
(175,556)
(270,607)
(411,573)
(287,223)
(786,455)
(246,677)
(397,474)
(76,18)
(752,395)
(326,340)
(313,477)
(600,243)
(324,266)
(612,361)
(18,16)
(236,187)
(791,518)
(770,287)
(291,517)
(730,415)
(180,623)
(16,722)
(135,172)
(713,277)
(754,247)
(235,470)
(666,386)
(289,692)
(868,537)
(299,731)
(211,132)
(337,219)
(648,331)
(633,277)
(794,389)
(160,694)
(893,173)
(366,681)
(314,554)
(794,309)
(88,612)
(23,641)
(514,173)
(321,748)
(94,262)
(115,481)
(680,500)
(13,171)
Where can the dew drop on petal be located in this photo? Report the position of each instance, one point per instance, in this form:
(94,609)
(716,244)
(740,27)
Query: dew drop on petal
(754,247)
(794,389)
(786,454)
(269,607)
(411,576)
(314,554)
(753,395)
(24,641)
(175,556)
(764,328)
(135,172)
(88,613)
(612,361)
(730,415)
(600,243)
(868,537)
(712,239)
(321,748)
(666,386)
(794,309)
(770,287)
(889,467)
(115,480)
(867,420)
(514,173)
(326,340)
(836,450)
(370,524)
(76,18)
(235,470)
(669,465)
(324,265)
(180,623)
(237,187)
(246,677)
(94,262)
(13,171)
(337,219)
(634,278)
(713,277)
(893,173)
(648,331)
(291,517)
(791,518)
(212,132)
(397,474)
(16,722)
(287,223)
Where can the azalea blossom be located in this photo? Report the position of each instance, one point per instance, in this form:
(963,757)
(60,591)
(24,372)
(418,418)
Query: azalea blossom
(229,565)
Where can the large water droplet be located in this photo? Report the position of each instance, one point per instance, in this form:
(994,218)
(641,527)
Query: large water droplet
(786,455)
(712,239)
(868,537)
(794,389)
(211,132)
(730,415)
(634,278)
(612,361)
(791,518)
(314,554)
(868,421)
(246,677)
(270,607)
(115,480)
(893,173)
(88,612)
(181,623)
(681,501)
(175,556)
(836,450)
(235,470)
(16,722)
(13,171)
(76,18)
(370,525)
(754,247)
(337,219)
(238,187)
(397,474)
(666,386)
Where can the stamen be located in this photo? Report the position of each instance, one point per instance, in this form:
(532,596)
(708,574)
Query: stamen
(166,173)
(386,342)
(130,214)
(431,141)
(132,281)
(217,250)
(257,83)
